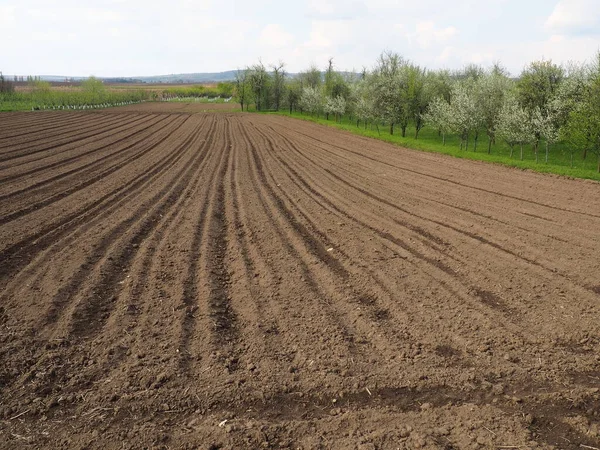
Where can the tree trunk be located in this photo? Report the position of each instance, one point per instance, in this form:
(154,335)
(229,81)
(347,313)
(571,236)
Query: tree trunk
(444,139)
(547,145)
(357,123)
(476,139)
(391,128)
(521,152)
(512,147)
(467,143)
(490,146)
(403,130)
(378,132)
(599,162)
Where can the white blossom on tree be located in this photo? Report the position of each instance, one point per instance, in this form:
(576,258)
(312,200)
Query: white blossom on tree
(336,106)
(439,115)
(311,100)
(514,125)
(465,116)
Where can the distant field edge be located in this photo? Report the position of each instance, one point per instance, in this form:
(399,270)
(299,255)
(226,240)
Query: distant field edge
(451,150)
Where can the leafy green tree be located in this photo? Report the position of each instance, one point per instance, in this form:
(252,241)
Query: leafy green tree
(416,95)
(293,92)
(537,87)
(259,84)
(226,89)
(242,90)
(5,85)
(278,84)
(311,78)
(582,130)
(93,86)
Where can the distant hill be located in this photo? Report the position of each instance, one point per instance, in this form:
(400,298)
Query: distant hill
(178,78)
(182,78)
(214,77)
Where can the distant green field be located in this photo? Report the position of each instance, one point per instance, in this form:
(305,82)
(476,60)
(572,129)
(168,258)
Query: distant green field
(559,159)
(66,99)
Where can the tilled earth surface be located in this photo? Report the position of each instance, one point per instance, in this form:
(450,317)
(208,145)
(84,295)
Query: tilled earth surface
(181,280)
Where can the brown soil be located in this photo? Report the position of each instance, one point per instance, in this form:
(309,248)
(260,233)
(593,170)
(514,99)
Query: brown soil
(180,107)
(245,281)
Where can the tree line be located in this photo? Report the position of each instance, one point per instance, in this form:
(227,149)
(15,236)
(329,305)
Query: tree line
(545,104)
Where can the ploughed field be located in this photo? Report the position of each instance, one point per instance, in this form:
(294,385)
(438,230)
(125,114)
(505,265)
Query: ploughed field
(216,280)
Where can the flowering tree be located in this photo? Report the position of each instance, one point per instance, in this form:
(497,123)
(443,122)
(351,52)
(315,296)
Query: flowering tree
(311,100)
(336,106)
(439,115)
(466,117)
(514,125)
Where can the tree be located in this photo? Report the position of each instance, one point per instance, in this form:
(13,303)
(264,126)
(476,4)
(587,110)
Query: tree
(545,126)
(416,95)
(293,91)
(335,86)
(311,78)
(439,115)
(582,130)
(490,90)
(278,83)
(335,106)
(258,80)
(537,87)
(465,115)
(386,89)
(93,86)
(5,85)
(242,90)
(514,124)
(311,100)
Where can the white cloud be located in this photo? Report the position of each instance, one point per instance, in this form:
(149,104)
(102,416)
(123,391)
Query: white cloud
(336,9)
(273,35)
(575,15)
(427,34)
(7,16)
(140,37)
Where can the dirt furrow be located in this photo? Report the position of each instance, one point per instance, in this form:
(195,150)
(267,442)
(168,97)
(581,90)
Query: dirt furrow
(54,152)
(89,173)
(22,252)
(216,280)
(18,148)
(60,162)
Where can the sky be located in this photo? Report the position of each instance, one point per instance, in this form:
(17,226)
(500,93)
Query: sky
(135,38)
